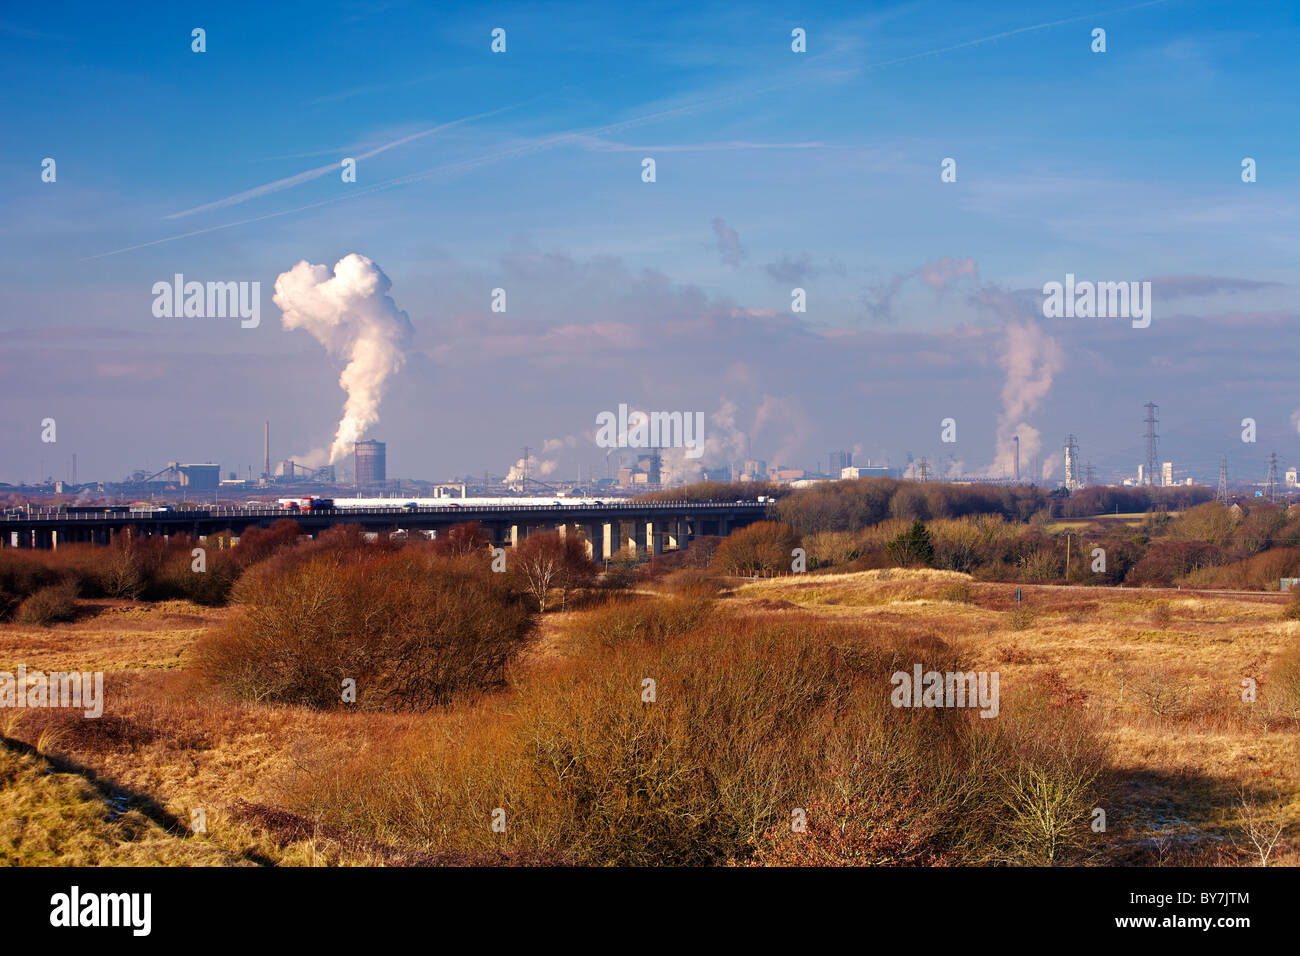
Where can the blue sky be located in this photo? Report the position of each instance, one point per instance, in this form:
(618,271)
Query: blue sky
(522,170)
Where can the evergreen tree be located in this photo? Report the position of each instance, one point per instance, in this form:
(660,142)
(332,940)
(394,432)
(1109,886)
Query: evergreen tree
(912,547)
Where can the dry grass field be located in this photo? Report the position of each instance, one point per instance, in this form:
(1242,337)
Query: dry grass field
(1195,775)
(1162,671)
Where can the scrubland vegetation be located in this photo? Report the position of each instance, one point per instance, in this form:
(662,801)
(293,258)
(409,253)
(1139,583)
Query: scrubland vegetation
(343,701)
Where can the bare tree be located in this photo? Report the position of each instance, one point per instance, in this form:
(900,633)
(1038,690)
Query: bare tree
(547,561)
(1262,825)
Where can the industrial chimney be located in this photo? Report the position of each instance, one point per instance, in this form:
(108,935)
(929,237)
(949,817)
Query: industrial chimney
(266,449)
(1016,439)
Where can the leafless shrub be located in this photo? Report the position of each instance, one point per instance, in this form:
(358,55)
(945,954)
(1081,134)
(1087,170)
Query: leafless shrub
(1163,692)
(1162,614)
(1261,826)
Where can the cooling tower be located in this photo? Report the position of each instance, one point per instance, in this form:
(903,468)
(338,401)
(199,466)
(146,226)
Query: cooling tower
(369,463)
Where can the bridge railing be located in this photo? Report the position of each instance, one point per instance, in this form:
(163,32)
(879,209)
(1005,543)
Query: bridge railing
(209,513)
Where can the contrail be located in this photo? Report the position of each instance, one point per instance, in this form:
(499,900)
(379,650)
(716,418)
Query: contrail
(605,146)
(1011,33)
(320,171)
(547,142)
(447,168)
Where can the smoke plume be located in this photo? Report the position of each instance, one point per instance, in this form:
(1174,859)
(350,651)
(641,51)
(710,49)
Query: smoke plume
(939,275)
(724,442)
(1031,360)
(534,468)
(349,312)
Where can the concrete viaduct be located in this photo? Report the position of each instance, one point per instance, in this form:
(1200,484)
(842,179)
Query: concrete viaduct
(645,528)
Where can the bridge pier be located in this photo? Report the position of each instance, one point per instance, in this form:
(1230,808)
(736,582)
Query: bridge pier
(630,538)
(654,538)
(593,534)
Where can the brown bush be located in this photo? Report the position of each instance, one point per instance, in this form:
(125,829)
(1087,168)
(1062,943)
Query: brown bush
(750,719)
(960,592)
(643,620)
(859,831)
(1167,561)
(345,544)
(49,605)
(761,548)
(133,567)
(1165,693)
(1291,612)
(854,505)
(129,564)
(693,583)
(1260,571)
(258,544)
(463,539)
(1039,565)
(1162,614)
(412,630)
(699,553)
(177,576)
(23,573)
(1021,617)
(1283,686)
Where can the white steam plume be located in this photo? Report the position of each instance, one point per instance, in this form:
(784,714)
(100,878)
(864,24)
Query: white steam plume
(350,313)
(724,442)
(1031,360)
(534,467)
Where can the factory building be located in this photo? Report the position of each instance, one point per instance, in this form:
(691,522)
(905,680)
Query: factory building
(369,463)
(200,477)
(645,472)
(854,472)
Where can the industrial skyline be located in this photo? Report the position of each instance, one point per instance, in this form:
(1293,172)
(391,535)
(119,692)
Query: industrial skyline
(367,470)
(513,273)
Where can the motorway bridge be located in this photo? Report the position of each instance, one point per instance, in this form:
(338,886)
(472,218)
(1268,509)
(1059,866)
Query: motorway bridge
(607,527)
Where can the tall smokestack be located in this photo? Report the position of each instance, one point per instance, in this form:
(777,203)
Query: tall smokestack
(266,449)
(1016,439)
